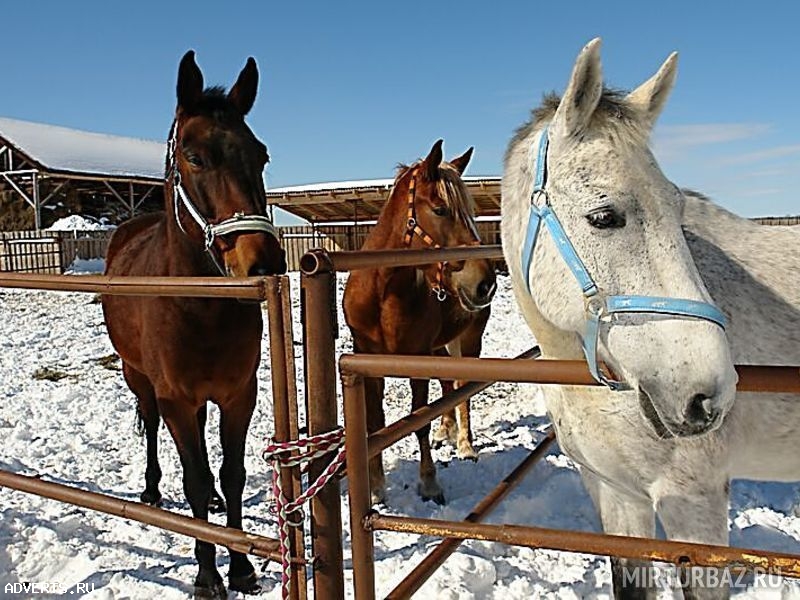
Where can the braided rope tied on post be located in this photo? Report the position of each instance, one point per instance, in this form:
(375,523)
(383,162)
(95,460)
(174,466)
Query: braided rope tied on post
(290,454)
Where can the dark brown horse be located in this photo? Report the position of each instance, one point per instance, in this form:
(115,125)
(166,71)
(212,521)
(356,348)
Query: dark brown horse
(180,353)
(422,310)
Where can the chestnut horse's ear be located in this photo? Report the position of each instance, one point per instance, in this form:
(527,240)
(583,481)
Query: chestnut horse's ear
(461,162)
(243,92)
(190,82)
(433,160)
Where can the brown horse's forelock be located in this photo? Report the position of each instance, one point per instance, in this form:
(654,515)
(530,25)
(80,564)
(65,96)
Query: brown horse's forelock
(213,103)
(450,188)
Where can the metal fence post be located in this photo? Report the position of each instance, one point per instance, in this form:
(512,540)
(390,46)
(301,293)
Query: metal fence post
(276,289)
(319,331)
(361,538)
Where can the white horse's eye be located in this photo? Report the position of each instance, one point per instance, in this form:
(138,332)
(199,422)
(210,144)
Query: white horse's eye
(606,218)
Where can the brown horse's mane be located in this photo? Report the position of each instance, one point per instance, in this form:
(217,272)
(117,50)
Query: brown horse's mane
(449,186)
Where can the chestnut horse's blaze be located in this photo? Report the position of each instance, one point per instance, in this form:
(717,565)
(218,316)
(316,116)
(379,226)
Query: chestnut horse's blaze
(429,310)
(180,353)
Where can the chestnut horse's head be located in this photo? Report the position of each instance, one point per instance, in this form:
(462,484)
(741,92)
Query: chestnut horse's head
(214,173)
(440,214)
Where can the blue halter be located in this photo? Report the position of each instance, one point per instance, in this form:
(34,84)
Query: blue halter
(599,307)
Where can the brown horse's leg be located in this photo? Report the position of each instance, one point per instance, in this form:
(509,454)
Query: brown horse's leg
(216,505)
(376,419)
(429,487)
(147,410)
(182,422)
(234,422)
(471,344)
(446,432)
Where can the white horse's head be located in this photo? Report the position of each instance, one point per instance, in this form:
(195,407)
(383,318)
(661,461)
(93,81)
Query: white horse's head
(623,218)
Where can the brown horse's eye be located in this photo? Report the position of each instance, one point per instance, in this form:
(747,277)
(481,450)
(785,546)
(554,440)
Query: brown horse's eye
(194,160)
(441,210)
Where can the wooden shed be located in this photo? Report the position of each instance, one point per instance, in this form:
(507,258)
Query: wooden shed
(340,214)
(47,171)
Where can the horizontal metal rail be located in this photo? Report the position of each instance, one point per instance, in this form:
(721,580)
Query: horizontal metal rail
(446,547)
(383,438)
(752,378)
(318,261)
(244,288)
(234,539)
(684,554)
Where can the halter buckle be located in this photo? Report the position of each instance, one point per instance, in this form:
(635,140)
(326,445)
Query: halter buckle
(412,223)
(209,236)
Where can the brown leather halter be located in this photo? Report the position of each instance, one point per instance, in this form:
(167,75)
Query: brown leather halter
(412,228)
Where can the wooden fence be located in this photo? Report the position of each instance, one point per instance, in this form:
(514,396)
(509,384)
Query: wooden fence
(49,251)
(55,251)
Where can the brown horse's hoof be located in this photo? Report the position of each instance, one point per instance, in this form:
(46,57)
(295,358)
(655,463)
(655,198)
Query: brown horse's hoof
(216,591)
(247,584)
(432,493)
(216,505)
(151,498)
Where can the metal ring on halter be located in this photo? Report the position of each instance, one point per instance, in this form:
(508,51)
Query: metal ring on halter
(441,293)
(412,222)
(538,193)
(595,306)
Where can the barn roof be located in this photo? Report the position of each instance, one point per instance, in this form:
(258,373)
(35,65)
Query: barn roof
(72,151)
(363,200)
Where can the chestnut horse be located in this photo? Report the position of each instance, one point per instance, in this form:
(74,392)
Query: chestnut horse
(180,353)
(422,310)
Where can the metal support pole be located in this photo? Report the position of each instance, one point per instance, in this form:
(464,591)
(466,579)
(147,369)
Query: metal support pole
(282,415)
(446,547)
(684,554)
(233,539)
(361,540)
(319,309)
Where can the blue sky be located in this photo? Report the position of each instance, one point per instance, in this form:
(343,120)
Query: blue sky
(349,89)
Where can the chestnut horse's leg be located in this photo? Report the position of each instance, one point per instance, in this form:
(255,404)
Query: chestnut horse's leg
(182,421)
(235,418)
(446,432)
(376,419)
(471,342)
(216,505)
(147,410)
(429,487)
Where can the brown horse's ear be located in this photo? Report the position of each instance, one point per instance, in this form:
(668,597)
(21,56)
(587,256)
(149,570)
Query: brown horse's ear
(243,92)
(433,160)
(461,162)
(190,82)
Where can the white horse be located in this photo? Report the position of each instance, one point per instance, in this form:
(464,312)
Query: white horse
(669,443)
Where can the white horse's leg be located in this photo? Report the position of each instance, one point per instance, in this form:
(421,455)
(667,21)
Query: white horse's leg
(697,515)
(625,514)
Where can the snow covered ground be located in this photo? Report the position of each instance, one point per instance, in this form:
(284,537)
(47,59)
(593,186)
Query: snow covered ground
(66,414)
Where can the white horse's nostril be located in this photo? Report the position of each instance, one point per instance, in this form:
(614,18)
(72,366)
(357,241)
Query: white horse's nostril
(701,410)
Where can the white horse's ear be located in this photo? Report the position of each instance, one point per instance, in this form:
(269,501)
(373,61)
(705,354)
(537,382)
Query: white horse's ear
(651,96)
(583,93)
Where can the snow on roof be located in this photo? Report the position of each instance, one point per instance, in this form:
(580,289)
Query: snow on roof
(355,185)
(75,151)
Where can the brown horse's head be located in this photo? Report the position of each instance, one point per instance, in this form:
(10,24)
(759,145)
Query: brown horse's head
(214,170)
(441,213)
